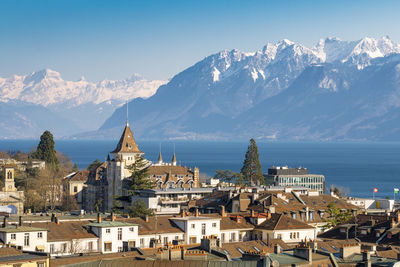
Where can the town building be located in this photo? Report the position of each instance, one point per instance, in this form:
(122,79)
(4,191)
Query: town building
(285,176)
(12,257)
(171,200)
(11,200)
(75,185)
(112,177)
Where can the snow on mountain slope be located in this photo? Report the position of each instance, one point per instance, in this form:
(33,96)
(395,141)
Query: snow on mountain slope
(230,94)
(46,87)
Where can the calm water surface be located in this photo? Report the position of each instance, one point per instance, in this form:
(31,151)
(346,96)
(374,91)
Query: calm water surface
(357,166)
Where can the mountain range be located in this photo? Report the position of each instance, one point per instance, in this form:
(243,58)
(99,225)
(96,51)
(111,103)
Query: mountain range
(336,90)
(43,100)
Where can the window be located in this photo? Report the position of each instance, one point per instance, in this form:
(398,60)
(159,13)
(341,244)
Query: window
(141,242)
(26,240)
(203,229)
(214,225)
(193,226)
(40,264)
(279,236)
(120,249)
(131,229)
(75,189)
(90,246)
(107,246)
(52,248)
(108,231)
(40,235)
(64,247)
(294,215)
(165,240)
(192,240)
(311,216)
(176,237)
(119,233)
(223,237)
(233,237)
(13,236)
(240,250)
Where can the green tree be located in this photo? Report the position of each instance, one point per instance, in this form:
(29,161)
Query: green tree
(229,176)
(334,216)
(92,166)
(251,169)
(117,205)
(98,205)
(46,151)
(75,168)
(139,209)
(139,179)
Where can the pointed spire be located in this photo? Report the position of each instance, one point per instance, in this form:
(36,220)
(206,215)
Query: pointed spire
(127,143)
(108,157)
(159,158)
(174,160)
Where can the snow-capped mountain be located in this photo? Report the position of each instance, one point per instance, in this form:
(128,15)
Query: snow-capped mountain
(79,105)
(283,91)
(46,87)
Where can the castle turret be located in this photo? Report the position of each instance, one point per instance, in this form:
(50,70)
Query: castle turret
(196,176)
(174,160)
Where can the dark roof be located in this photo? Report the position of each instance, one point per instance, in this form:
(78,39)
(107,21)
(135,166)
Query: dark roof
(155,224)
(65,230)
(127,143)
(81,176)
(165,170)
(282,222)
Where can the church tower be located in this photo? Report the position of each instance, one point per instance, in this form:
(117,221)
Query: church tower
(8,179)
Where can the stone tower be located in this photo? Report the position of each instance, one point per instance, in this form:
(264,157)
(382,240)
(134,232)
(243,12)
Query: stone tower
(124,155)
(8,179)
(196,176)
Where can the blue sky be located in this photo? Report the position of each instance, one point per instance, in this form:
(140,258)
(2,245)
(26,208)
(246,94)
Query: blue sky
(113,39)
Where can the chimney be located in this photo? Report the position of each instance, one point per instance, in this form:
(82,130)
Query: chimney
(268,215)
(366,258)
(183,214)
(146,218)
(52,217)
(223,214)
(393,223)
(277,249)
(56,220)
(252,213)
(197,212)
(99,217)
(5,222)
(20,221)
(112,217)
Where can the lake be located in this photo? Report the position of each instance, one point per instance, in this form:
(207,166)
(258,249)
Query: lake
(357,166)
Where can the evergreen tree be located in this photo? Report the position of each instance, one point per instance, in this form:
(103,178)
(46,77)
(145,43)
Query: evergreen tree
(139,209)
(46,151)
(92,166)
(251,169)
(139,179)
(75,168)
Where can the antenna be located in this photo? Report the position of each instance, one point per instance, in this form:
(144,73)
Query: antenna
(127,120)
